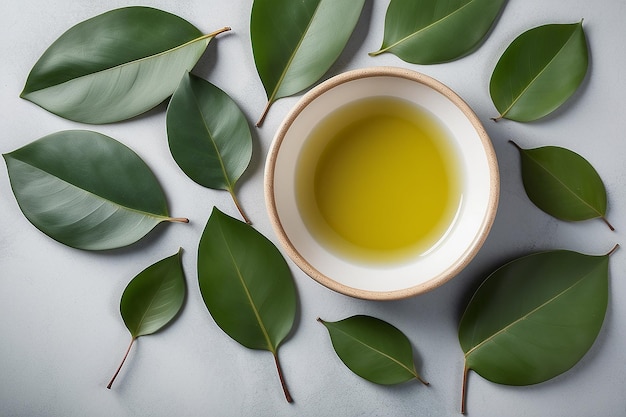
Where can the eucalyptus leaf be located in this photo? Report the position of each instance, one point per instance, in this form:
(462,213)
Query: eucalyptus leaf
(435,31)
(152,299)
(373,349)
(208,135)
(116,65)
(563,184)
(86,190)
(535,317)
(539,71)
(246,285)
(296,42)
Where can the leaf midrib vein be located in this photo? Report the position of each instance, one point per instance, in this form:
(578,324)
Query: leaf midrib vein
(253,306)
(584,202)
(152,300)
(536,77)
(412,372)
(530,313)
(425,28)
(293,54)
(118,205)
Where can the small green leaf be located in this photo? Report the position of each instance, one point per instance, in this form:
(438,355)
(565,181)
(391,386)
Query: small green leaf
(563,184)
(295,42)
(86,190)
(116,65)
(246,285)
(152,299)
(373,349)
(535,317)
(539,71)
(209,136)
(435,31)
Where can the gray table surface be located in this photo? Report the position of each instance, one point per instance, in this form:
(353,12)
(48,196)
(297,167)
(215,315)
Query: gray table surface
(61,335)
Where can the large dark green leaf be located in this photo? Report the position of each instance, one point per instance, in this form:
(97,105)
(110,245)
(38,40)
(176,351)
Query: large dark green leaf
(563,184)
(539,71)
(152,299)
(86,190)
(373,349)
(535,317)
(116,65)
(295,42)
(209,136)
(434,31)
(246,285)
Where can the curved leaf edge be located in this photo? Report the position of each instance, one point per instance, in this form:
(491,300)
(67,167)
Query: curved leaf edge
(466,369)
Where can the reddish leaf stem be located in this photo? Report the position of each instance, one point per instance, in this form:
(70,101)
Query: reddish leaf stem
(604,219)
(612,251)
(236,201)
(282,379)
(121,364)
(178,220)
(265,110)
(464,389)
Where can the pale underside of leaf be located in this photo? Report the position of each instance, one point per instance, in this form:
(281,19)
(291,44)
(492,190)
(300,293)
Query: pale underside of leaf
(504,330)
(86,220)
(123,91)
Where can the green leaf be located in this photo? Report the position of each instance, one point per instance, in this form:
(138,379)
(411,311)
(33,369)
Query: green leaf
(209,136)
(296,42)
(535,317)
(246,285)
(152,299)
(563,184)
(373,349)
(435,31)
(86,190)
(116,65)
(539,71)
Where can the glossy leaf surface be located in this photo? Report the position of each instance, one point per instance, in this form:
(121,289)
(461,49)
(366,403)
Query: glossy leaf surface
(115,66)
(86,190)
(539,71)
(535,317)
(373,349)
(152,299)
(435,31)
(295,42)
(563,184)
(246,284)
(208,135)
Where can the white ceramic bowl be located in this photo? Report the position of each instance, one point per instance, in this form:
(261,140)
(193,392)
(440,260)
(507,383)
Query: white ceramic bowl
(390,280)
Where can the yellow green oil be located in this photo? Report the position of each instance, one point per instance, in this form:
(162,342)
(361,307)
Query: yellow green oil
(378,180)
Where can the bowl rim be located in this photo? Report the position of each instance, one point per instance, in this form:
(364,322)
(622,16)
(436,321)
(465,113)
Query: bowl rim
(435,281)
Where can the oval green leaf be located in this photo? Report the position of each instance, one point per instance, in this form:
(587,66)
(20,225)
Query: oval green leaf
(208,135)
(86,190)
(296,42)
(539,71)
(116,65)
(535,317)
(373,349)
(563,184)
(246,285)
(435,31)
(152,299)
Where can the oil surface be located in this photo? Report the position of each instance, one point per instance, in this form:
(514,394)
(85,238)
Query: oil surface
(378,180)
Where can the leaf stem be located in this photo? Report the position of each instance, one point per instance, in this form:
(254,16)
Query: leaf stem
(604,219)
(265,110)
(121,364)
(217,32)
(464,389)
(419,378)
(375,53)
(178,220)
(612,251)
(282,379)
(236,201)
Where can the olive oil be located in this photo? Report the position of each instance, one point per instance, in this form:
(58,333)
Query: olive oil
(378,180)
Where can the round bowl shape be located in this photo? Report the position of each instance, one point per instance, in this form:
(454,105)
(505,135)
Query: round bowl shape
(388,280)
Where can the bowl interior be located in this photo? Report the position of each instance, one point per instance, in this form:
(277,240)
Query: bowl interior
(462,239)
